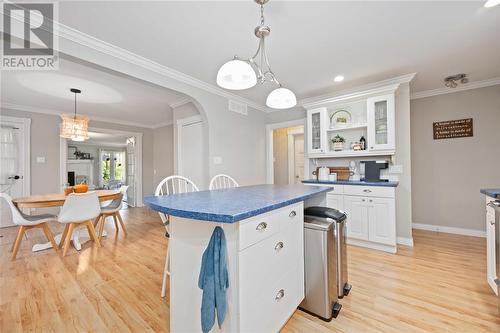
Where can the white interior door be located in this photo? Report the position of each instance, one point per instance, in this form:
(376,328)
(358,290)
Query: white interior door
(299,158)
(13,176)
(131,170)
(191,163)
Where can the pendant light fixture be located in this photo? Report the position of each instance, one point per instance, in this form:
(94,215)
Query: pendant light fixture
(74,127)
(239,74)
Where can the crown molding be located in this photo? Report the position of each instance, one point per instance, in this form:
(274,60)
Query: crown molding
(162,124)
(360,91)
(86,40)
(463,87)
(74,35)
(180,102)
(34,109)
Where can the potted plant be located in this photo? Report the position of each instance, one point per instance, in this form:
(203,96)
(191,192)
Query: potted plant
(338,143)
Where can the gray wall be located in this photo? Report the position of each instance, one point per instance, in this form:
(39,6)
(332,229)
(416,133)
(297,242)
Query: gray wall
(45,142)
(163,153)
(447,174)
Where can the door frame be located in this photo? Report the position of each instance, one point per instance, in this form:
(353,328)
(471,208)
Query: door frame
(179,124)
(63,155)
(291,154)
(269,146)
(25,124)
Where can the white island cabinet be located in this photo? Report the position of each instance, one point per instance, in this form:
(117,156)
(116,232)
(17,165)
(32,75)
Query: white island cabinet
(491,267)
(263,226)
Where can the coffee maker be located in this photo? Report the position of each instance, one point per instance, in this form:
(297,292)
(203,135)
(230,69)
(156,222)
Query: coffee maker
(372,170)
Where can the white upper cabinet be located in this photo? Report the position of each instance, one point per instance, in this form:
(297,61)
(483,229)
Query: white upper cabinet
(316,127)
(381,123)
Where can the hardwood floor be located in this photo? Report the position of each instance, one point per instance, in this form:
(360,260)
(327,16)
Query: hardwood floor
(437,286)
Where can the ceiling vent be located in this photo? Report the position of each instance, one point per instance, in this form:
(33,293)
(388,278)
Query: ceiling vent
(238,107)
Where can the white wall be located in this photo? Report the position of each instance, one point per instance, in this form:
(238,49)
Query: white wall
(45,142)
(447,174)
(163,153)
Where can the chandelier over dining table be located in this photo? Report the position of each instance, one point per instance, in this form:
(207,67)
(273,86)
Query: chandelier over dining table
(74,127)
(240,74)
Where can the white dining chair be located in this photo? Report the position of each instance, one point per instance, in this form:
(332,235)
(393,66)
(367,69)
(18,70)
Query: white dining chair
(222,181)
(168,186)
(79,210)
(112,209)
(26,222)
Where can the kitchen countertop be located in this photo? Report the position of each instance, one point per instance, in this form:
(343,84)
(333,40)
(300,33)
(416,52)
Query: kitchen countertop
(350,182)
(232,205)
(491,192)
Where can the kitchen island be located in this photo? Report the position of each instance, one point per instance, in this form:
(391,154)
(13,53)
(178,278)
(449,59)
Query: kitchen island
(263,226)
(492,198)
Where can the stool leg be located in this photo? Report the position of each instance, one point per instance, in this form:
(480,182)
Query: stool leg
(116,223)
(101,226)
(63,236)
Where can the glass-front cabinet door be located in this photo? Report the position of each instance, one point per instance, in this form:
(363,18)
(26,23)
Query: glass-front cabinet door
(381,123)
(316,130)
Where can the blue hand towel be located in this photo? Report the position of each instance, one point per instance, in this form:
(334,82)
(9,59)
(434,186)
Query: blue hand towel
(214,281)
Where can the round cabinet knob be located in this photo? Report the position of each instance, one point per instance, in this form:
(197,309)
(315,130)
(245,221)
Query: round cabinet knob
(363,200)
(280,294)
(367,191)
(292,214)
(279,246)
(261,226)
(370,200)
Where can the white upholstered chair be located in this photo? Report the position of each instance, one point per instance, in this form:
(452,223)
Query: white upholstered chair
(112,209)
(78,210)
(221,181)
(168,186)
(26,222)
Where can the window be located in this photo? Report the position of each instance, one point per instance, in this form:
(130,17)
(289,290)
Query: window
(113,168)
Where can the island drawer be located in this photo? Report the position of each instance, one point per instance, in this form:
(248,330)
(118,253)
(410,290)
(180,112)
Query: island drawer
(263,226)
(370,191)
(265,309)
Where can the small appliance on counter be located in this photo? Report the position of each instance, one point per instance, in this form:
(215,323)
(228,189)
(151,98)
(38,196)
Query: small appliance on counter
(372,170)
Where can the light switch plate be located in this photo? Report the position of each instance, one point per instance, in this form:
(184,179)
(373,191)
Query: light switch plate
(217,160)
(40,159)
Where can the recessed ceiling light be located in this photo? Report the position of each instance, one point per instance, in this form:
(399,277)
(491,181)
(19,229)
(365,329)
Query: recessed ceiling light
(491,3)
(339,78)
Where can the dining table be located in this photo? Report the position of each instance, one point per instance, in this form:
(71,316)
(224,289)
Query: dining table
(57,200)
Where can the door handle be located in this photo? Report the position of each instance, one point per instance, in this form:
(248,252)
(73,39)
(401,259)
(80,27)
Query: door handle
(279,246)
(16,177)
(280,294)
(261,226)
(292,214)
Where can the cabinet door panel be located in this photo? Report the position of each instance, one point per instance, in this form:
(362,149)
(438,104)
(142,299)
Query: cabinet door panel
(381,123)
(381,221)
(357,219)
(335,201)
(316,131)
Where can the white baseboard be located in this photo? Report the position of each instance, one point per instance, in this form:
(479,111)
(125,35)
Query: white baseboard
(450,230)
(372,245)
(407,241)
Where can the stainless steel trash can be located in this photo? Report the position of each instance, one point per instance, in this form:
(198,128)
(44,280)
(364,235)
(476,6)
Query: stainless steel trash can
(338,220)
(320,269)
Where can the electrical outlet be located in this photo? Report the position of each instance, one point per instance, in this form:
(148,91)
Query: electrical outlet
(40,159)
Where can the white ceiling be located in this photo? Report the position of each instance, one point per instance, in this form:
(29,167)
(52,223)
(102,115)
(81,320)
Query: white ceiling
(106,95)
(311,41)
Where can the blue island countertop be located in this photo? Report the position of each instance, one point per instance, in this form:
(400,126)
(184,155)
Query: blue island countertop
(491,192)
(350,182)
(232,205)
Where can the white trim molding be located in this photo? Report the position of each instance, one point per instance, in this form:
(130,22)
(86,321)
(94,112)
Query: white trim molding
(33,109)
(269,146)
(463,87)
(357,92)
(76,36)
(180,102)
(450,230)
(406,241)
(25,123)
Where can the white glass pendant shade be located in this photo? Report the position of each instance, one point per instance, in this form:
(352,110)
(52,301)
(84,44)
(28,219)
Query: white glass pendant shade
(236,75)
(281,98)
